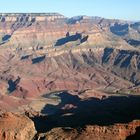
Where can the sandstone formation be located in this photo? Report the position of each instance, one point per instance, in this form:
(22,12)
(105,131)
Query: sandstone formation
(16,127)
(114,132)
(22,128)
(55,69)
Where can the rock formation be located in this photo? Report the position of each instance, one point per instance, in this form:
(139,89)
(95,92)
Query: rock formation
(114,132)
(58,67)
(16,127)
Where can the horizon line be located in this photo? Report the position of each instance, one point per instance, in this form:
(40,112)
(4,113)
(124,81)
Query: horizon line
(57,13)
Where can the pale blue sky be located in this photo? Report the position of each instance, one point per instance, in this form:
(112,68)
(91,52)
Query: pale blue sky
(122,9)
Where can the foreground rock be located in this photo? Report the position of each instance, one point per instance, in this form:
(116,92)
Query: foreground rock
(93,132)
(16,127)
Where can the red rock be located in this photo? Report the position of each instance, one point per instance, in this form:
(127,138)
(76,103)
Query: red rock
(93,132)
(16,127)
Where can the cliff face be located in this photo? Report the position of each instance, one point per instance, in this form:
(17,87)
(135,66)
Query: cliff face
(66,68)
(46,52)
(16,127)
(19,127)
(114,132)
(30,28)
(45,29)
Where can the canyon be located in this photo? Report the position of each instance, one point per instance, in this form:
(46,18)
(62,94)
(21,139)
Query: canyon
(69,78)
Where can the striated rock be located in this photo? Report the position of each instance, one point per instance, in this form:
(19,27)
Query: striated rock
(93,132)
(16,127)
(75,70)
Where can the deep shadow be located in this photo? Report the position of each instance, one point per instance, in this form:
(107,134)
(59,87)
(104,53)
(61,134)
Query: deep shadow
(6,38)
(25,57)
(107,54)
(135,25)
(136,136)
(126,63)
(84,39)
(123,58)
(119,29)
(33,20)
(133,42)
(67,39)
(74,20)
(13,84)
(115,109)
(70,38)
(38,59)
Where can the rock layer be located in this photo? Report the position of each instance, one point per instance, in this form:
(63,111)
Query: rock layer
(114,132)
(16,127)
(66,68)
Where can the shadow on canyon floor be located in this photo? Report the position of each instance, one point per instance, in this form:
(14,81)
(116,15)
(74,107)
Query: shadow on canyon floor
(12,84)
(136,136)
(75,112)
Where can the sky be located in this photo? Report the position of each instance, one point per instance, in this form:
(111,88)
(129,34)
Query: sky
(116,9)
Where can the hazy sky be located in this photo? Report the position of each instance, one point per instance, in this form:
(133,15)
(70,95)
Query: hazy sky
(122,9)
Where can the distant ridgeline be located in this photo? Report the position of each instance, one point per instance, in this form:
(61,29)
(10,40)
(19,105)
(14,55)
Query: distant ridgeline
(10,22)
(5,17)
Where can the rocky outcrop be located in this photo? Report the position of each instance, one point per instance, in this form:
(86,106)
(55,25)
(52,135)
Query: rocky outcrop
(9,17)
(16,127)
(20,127)
(118,60)
(113,132)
